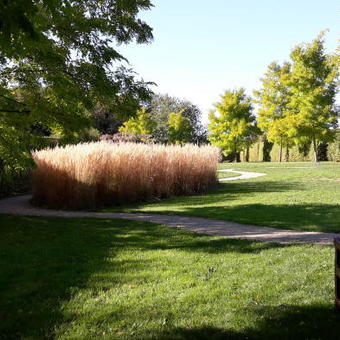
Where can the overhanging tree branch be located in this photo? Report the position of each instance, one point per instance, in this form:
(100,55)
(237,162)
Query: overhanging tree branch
(12,100)
(15,111)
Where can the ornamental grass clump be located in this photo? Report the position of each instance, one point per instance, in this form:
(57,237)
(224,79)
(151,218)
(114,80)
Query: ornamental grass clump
(98,174)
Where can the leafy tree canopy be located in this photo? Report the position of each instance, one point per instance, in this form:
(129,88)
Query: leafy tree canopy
(162,105)
(133,95)
(179,128)
(58,60)
(313,86)
(232,125)
(142,124)
(273,99)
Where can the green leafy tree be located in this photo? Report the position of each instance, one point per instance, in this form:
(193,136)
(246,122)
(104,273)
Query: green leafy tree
(132,95)
(313,84)
(162,105)
(232,124)
(273,99)
(179,128)
(142,124)
(58,61)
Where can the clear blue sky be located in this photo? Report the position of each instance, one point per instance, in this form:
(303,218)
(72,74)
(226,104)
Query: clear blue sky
(202,47)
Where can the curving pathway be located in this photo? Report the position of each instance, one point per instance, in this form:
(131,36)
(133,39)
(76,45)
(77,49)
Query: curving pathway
(243,175)
(20,205)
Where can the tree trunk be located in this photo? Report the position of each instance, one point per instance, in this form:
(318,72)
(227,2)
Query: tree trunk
(280,153)
(235,157)
(315,149)
(287,154)
(247,154)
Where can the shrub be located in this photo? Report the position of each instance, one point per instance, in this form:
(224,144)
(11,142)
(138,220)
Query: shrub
(95,174)
(124,137)
(333,152)
(13,181)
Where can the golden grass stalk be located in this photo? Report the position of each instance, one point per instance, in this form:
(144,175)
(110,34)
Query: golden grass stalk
(91,175)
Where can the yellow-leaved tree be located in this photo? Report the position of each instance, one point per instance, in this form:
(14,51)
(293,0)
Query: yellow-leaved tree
(313,85)
(179,128)
(141,124)
(232,125)
(273,99)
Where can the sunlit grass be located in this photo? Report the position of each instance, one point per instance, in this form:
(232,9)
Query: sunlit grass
(227,174)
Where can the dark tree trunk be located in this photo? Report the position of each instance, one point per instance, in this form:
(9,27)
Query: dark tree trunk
(247,154)
(280,153)
(287,154)
(315,150)
(267,147)
(235,157)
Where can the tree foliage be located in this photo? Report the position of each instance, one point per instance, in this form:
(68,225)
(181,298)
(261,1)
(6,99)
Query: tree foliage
(141,124)
(162,105)
(232,124)
(273,99)
(58,61)
(313,84)
(297,99)
(179,128)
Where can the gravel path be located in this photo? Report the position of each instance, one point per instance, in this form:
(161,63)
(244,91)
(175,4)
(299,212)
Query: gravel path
(20,206)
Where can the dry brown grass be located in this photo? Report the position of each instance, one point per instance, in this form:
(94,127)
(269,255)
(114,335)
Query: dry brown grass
(96,174)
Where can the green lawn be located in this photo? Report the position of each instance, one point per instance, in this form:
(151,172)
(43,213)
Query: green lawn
(302,199)
(226,174)
(104,279)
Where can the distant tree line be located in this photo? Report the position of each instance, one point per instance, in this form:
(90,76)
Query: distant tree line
(296,109)
(167,120)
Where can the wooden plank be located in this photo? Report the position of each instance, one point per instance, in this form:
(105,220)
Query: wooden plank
(337,304)
(337,272)
(337,243)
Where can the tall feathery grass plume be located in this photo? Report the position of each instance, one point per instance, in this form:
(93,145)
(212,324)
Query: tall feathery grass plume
(99,174)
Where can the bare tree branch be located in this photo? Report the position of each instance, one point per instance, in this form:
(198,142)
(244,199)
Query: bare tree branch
(12,100)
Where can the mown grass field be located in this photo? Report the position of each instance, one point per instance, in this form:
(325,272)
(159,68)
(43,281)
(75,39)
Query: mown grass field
(112,279)
(226,174)
(301,196)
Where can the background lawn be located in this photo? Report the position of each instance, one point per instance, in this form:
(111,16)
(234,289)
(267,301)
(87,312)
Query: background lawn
(291,198)
(104,279)
(227,174)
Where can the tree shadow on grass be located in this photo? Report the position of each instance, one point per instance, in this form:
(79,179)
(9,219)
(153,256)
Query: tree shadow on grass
(257,185)
(223,192)
(201,243)
(272,322)
(45,261)
(309,217)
